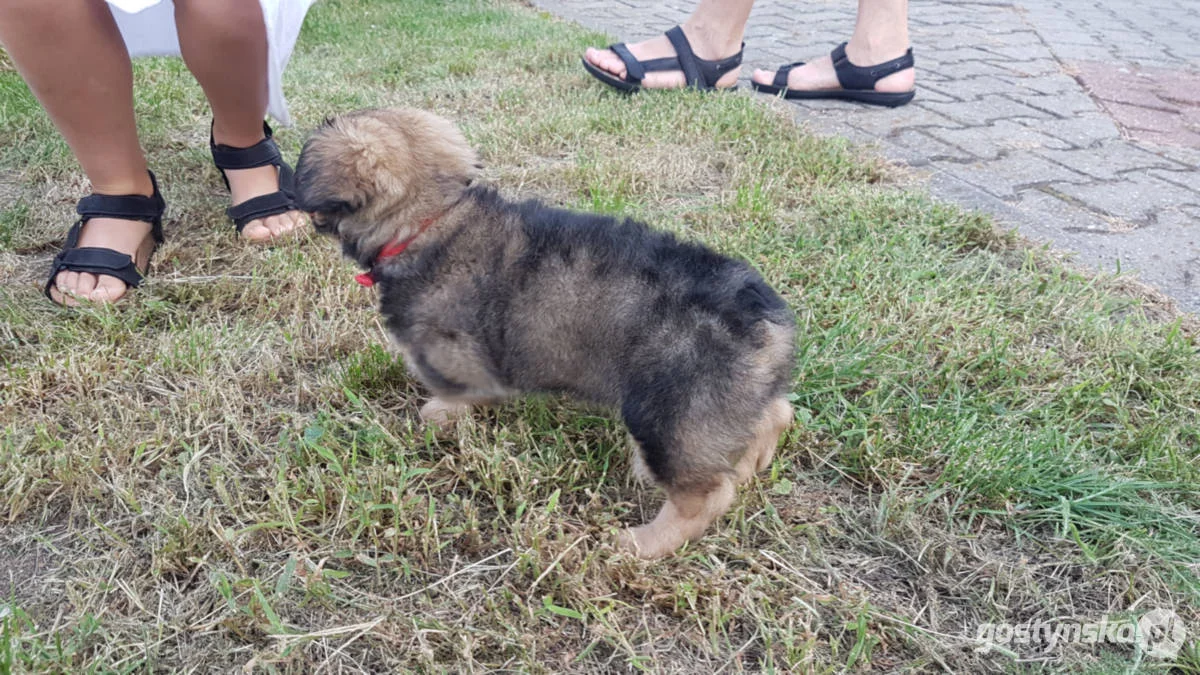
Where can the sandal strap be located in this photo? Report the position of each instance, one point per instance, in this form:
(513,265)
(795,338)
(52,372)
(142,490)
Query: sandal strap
(700,73)
(97,260)
(262,206)
(93,259)
(634,70)
(685,55)
(126,207)
(262,153)
(781,75)
(853,77)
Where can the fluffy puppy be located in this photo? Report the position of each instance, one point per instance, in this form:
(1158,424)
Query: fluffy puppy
(490,299)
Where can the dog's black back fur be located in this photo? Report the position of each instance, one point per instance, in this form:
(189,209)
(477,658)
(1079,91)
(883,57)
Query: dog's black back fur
(690,345)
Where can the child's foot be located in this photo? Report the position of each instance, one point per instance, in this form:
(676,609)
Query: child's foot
(131,237)
(123,236)
(245,184)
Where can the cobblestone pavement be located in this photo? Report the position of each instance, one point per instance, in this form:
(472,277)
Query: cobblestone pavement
(1075,121)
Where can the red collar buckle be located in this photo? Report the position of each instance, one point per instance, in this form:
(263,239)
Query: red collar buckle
(393,249)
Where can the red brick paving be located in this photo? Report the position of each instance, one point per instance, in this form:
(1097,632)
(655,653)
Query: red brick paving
(1154,105)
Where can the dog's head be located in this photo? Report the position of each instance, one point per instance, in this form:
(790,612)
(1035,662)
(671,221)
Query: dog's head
(371,176)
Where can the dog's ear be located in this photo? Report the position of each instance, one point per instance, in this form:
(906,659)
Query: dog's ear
(452,183)
(451,186)
(329,200)
(321,188)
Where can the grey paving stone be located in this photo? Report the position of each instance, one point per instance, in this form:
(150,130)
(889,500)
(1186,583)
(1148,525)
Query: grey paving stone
(1136,198)
(1183,177)
(965,90)
(1065,105)
(1009,175)
(1088,231)
(1058,83)
(1166,262)
(998,139)
(1016,44)
(958,55)
(1109,161)
(936,95)
(930,74)
(1181,220)
(1079,39)
(985,110)
(1083,53)
(1030,68)
(1145,55)
(1085,130)
(884,122)
(966,69)
(1017,50)
(921,148)
(1187,156)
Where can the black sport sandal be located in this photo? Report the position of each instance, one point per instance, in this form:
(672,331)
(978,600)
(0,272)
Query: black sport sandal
(105,261)
(262,153)
(858,82)
(699,73)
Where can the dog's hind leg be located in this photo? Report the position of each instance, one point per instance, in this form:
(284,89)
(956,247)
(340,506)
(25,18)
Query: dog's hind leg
(701,483)
(640,469)
(684,517)
(761,449)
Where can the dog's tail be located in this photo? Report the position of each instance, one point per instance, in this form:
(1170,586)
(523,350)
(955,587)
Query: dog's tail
(773,327)
(756,301)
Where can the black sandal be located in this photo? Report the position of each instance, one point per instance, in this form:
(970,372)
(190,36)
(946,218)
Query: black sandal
(105,261)
(262,153)
(858,82)
(699,73)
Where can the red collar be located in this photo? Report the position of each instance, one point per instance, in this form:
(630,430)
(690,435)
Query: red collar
(394,248)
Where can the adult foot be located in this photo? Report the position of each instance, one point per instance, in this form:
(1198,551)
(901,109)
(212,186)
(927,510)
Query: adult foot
(245,184)
(819,75)
(705,44)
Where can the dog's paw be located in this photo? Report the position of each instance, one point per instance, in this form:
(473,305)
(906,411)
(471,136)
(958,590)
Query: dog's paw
(442,413)
(626,541)
(642,542)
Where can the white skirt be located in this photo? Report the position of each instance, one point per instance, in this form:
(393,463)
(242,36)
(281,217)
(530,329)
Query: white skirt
(148,27)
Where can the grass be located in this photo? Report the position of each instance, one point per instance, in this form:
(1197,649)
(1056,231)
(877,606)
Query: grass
(226,472)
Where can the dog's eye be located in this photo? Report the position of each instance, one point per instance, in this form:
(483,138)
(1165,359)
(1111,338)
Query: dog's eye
(336,208)
(325,215)
(323,222)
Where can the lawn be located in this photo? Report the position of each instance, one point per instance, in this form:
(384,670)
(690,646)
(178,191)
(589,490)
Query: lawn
(227,471)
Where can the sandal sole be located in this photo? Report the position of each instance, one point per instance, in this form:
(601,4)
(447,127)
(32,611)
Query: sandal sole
(879,98)
(626,87)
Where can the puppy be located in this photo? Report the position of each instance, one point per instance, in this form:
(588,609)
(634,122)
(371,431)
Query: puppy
(490,299)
